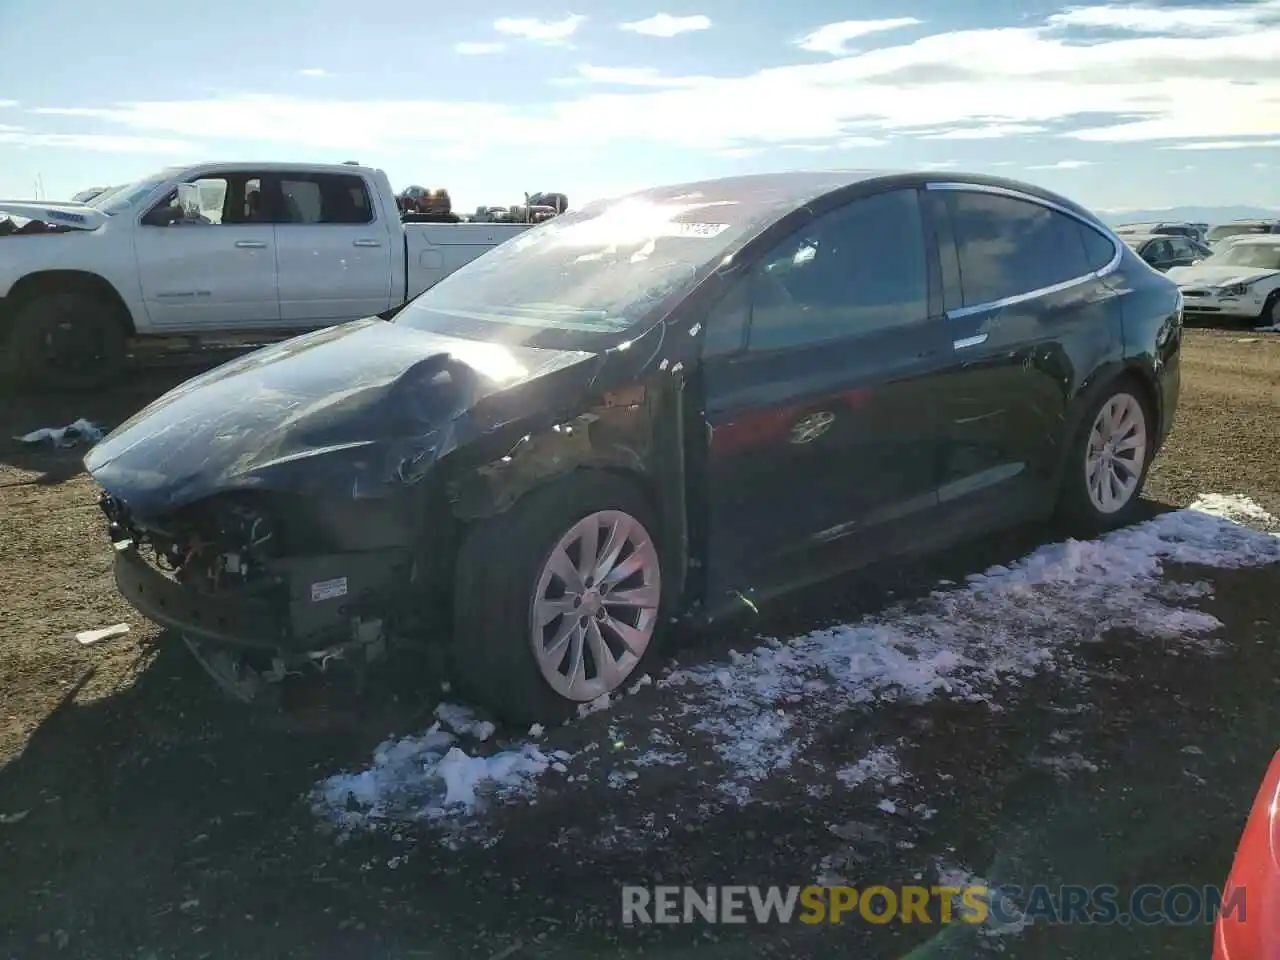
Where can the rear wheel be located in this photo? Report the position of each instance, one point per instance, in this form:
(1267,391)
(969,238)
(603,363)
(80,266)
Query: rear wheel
(1109,458)
(558,600)
(66,341)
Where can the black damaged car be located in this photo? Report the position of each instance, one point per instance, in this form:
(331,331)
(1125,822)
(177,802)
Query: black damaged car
(668,406)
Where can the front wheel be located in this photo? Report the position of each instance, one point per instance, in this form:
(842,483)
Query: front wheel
(1109,458)
(66,341)
(557,601)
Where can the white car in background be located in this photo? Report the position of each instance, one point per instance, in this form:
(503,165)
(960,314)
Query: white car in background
(1240,282)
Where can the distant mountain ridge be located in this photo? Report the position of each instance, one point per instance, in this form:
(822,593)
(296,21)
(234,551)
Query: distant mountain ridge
(1209,215)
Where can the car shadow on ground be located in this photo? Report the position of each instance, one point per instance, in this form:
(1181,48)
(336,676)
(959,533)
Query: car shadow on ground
(163,814)
(24,412)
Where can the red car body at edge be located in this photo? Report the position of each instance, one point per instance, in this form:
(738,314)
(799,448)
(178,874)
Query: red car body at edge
(1255,935)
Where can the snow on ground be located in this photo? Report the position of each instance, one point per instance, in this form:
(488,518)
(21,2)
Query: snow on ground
(761,710)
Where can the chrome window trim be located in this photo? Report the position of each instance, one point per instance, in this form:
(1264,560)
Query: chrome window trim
(1110,267)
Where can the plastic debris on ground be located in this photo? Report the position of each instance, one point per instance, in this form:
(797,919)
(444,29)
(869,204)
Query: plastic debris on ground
(68,436)
(89,637)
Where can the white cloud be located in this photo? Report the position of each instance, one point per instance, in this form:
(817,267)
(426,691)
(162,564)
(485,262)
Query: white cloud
(1132,89)
(96,143)
(938,165)
(1223,145)
(1063,165)
(472,48)
(627,77)
(8,103)
(665,25)
(313,72)
(552,32)
(831,39)
(990,131)
(1144,18)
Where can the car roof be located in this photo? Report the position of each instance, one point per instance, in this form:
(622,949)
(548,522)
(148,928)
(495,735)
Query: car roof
(770,196)
(1271,239)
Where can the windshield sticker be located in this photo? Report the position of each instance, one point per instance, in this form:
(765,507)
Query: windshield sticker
(704,230)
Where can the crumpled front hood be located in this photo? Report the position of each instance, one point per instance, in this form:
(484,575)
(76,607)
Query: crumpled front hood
(1216,276)
(77,215)
(350,410)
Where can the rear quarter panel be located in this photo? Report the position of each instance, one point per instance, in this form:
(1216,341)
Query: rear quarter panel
(1151,322)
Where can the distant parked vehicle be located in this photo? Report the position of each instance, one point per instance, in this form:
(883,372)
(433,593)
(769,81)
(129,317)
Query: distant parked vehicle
(1237,228)
(1172,228)
(1164,251)
(668,406)
(1240,282)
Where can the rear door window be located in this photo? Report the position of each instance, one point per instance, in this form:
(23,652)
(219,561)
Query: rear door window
(324,198)
(1010,247)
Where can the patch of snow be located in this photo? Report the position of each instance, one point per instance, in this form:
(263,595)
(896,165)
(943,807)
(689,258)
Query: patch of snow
(462,721)
(425,778)
(762,708)
(595,706)
(880,764)
(1066,765)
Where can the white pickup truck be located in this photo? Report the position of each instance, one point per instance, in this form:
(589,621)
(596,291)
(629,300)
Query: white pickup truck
(210,252)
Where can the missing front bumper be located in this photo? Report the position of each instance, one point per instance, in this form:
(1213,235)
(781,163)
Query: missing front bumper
(318,605)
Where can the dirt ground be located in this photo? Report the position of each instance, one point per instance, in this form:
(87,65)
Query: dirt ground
(142,815)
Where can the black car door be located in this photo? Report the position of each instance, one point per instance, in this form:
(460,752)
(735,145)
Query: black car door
(823,427)
(1159,254)
(1030,315)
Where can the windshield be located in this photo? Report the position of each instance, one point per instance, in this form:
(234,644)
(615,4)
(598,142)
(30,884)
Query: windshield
(1235,229)
(583,278)
(1261,256)
(118,199)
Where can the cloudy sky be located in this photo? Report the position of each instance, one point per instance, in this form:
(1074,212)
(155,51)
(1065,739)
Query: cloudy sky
(1116,105)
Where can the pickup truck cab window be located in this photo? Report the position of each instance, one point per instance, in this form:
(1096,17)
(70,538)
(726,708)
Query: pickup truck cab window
(322,198)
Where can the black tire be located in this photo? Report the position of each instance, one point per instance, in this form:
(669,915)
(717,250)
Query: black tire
(1075,506)
(65,341)
(1270,316)
(497,570)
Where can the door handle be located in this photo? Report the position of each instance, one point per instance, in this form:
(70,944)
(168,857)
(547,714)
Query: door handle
(366,243)
(251,244)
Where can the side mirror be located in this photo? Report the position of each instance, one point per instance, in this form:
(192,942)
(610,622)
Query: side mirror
(163,216)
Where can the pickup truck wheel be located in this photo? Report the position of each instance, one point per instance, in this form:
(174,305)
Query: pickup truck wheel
(558,601)
(66,341)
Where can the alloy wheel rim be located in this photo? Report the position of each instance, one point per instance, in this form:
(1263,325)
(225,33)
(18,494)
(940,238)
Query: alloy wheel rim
(1117,453)
(595,606)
